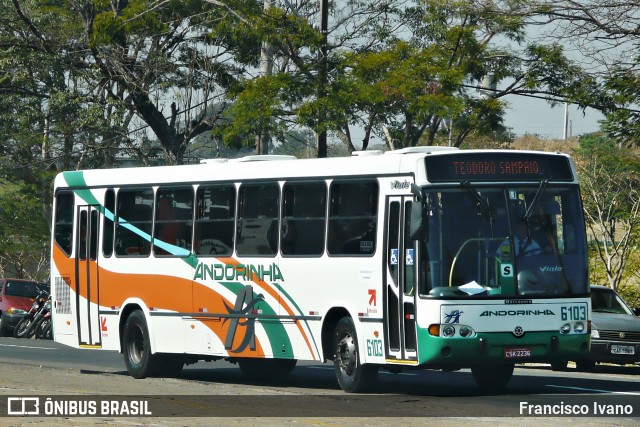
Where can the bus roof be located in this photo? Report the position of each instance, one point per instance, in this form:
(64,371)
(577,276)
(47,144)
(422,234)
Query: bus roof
(405,161)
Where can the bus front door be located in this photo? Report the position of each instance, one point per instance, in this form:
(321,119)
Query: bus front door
(400,283)
(86,301)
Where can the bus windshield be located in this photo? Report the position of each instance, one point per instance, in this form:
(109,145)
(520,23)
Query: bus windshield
(504,241)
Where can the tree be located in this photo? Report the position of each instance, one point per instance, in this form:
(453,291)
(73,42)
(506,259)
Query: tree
(606,33)
(611,198)
(23,236)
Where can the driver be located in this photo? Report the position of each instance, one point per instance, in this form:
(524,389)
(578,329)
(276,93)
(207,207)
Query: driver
(524,244)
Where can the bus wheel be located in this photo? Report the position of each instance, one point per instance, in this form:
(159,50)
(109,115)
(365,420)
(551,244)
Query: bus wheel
(136,347)
(352,376)
(492,377)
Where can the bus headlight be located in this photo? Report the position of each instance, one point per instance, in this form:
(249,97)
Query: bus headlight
(578,328)
(448,331)
(594,332)
(466,331)
(565,329)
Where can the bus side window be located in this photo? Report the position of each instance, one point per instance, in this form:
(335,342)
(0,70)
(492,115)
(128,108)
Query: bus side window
(174,210)
(258,219)
(353,218)
(215,217)
(108,225)
(63,225)
(303,219)
(134,219)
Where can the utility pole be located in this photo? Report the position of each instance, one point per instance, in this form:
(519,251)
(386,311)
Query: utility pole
(266,69)
(565,131)
(322,77)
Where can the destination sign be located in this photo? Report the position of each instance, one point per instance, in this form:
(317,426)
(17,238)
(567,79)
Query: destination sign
(505,166)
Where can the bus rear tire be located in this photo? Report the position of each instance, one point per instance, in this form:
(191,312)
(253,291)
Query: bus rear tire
(136,347)
(352,376)
(492,377)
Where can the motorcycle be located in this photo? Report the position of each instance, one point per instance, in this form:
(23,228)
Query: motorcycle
(44,329)
(26,328)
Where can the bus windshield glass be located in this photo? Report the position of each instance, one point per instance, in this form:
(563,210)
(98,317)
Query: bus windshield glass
(504,241)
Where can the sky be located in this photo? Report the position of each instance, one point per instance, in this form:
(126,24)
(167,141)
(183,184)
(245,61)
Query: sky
(535,116)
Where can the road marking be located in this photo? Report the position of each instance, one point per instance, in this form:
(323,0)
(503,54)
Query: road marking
(595,390)
(27,346)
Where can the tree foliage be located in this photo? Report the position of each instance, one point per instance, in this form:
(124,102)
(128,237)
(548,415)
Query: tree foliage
(611,198)
(606,33)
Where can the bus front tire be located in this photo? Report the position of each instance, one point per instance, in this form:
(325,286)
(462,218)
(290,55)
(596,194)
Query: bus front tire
(136,347)
(492,377)
(353,377)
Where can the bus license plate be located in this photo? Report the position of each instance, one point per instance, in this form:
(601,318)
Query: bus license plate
(622,349)
(517,352)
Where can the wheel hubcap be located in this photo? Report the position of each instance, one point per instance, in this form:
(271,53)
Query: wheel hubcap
(346,355)
(136,346)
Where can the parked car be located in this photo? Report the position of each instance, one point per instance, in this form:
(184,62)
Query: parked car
(615,329)
(16,298)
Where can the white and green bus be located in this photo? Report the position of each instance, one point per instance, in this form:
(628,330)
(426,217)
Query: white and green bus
(406,259)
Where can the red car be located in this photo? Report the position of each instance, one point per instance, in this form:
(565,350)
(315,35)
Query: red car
(16,298)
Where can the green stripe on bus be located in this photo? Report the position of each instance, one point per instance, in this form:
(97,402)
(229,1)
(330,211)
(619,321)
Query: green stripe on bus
(75,179)
(278,338)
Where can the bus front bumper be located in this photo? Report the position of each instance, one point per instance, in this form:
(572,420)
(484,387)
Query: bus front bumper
(502,347)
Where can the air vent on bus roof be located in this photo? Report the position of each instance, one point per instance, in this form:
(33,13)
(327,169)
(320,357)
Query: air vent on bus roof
(367,153)
(422,149)
(264,157)
(212,161)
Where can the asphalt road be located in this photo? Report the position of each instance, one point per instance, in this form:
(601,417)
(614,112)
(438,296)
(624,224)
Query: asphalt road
(218,389)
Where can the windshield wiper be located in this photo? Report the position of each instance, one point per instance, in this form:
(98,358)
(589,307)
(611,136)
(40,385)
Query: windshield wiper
(543,185)
(478,201)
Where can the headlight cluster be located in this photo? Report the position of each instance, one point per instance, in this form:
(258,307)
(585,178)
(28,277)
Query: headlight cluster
(14,310)
(576,327)
(449,331)
(594,332)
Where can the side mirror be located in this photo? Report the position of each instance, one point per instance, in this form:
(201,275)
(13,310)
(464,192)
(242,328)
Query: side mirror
(636,311)
(418,226)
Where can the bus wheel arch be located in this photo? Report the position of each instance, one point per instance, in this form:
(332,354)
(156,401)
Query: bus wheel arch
(329,324)
(124,316)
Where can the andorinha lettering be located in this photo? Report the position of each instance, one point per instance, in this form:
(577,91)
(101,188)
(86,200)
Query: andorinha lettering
(497,168)
(489,313)
(237,272)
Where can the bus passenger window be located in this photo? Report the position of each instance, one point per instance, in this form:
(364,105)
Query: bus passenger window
(108,225)
(63,225)
(257,232)
(303,219)
(134,217)
(215,217)
(172,227)
(353,215)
